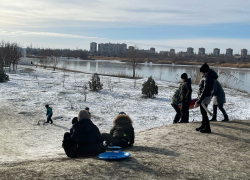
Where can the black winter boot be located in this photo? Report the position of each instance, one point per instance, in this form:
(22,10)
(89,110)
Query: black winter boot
(207,128)
(225,120)
(213,118)
(201,127)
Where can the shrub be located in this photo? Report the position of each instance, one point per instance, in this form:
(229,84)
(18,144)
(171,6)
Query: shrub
(95,84)
(149,89)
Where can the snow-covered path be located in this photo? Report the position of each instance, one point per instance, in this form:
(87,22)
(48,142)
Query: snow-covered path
(23,99)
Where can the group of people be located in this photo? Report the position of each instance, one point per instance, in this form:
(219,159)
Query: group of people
(209,87)
(85,139)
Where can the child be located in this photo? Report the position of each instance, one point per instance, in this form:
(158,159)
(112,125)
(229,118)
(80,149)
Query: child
(87,109)
(49,114)
(185,97)
(174,103)
(74,120)
(122,132)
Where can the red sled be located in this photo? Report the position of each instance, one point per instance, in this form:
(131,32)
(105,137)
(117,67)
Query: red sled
(191,105)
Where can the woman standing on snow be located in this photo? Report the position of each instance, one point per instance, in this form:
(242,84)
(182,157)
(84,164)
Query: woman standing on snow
(122,132)
(219,100)
(205,95)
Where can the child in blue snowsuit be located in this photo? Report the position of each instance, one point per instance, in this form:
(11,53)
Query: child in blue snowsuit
(49,114)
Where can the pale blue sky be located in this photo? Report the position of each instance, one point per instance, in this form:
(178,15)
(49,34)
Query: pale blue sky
(162,24)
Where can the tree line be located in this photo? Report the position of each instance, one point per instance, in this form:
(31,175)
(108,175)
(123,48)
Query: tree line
(10,54)
(78,53)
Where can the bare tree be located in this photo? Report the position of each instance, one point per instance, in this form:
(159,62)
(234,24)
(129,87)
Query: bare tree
(44,58)
(85,91)
(55,60)
(65,64)
(63,78)
(134,58)
(110,85)
(11,54)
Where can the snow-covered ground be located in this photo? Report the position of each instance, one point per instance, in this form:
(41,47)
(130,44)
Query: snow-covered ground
(31,88)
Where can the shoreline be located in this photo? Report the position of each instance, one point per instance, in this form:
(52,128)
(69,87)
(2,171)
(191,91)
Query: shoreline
(229,65)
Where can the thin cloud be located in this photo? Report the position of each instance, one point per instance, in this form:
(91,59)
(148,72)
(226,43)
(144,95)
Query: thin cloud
(140,12)
(45,34)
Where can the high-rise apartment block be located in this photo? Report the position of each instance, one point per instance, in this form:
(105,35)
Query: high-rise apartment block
(243,53)
(110,49)
(93,48)
(172,51)
(201,51)
(216,52)
(152,49)
(131,48)
(190,51)
(229,52)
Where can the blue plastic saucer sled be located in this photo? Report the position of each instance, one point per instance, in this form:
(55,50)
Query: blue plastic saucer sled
(114,155)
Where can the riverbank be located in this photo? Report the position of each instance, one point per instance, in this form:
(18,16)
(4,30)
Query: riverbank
(183,62)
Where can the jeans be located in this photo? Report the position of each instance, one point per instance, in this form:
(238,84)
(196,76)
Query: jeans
(205,121)
(185,111)
(221,109)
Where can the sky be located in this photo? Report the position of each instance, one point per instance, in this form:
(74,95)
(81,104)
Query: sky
(163,24)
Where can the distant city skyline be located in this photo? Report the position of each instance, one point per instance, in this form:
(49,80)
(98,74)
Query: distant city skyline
(163,24)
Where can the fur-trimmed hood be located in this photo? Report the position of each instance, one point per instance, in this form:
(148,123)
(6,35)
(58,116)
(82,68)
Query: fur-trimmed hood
(122,119)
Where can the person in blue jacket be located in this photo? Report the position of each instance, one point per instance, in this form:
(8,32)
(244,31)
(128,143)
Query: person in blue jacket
(49,114)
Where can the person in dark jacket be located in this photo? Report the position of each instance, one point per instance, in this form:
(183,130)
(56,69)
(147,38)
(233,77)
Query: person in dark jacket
(219,99)
(86,138)
(185,98)
(122,132)
(49,114)
(74,120)
(87,109)
(205,95)
(175,103)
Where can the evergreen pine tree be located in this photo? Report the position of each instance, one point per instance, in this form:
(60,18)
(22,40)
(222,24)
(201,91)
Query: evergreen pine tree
(3,76)
(149,89)
(95,84)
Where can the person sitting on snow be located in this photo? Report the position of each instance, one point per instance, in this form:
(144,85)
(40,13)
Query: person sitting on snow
(122,132)
(174,103)
(86,139)
(49,114)
(74,120)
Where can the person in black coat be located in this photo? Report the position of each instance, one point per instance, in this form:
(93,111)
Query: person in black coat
(122,132)
(86,138)
(219,99)
(205,95)
(185,98)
